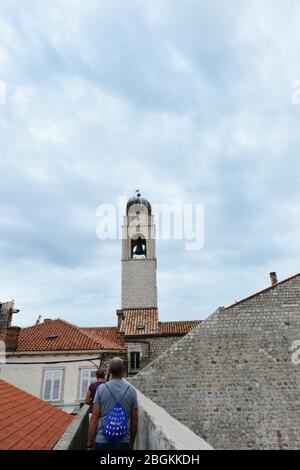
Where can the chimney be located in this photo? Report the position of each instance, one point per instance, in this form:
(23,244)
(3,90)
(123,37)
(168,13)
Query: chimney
(12,336)
(120,316)
(274,279)
(6,312)
(120,337)
(47,320)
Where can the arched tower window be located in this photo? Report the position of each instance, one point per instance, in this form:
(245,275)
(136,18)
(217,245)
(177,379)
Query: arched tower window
(139,248)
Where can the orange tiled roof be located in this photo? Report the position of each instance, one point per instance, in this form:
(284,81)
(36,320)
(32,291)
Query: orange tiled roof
(144,322)
(28,423)
(140,322)
(109,333)
(178,327)
(59,335)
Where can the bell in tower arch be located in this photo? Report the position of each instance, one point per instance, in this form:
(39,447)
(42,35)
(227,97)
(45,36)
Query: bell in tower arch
(138,250)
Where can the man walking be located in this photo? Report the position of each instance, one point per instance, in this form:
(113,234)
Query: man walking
(90,396)
(113,425)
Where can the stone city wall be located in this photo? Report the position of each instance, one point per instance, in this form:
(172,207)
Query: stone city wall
(235,380)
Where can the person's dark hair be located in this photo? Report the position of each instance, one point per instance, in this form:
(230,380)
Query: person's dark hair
(116,368)
(100,373)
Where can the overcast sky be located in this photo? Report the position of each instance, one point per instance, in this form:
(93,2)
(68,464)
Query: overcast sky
(188,100)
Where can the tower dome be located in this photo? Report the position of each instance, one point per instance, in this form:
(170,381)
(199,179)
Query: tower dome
(138,200)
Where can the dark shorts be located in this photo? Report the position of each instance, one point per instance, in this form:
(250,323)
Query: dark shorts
(112,446)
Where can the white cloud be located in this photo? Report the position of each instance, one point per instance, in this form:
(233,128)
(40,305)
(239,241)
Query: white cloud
(190,102)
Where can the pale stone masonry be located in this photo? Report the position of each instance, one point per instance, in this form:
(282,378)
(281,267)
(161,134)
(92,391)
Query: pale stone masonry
(149,348)
(6,313)
(139,289)
(233,380)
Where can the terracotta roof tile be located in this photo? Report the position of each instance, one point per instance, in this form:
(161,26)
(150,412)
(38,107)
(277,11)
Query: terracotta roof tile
(106,333)
(178,327)
(140,322)
(144,322)
(59,335)
(29,423)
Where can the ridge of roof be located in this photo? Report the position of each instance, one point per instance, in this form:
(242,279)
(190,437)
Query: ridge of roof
(180,327)
(263,291)
(70,337)
(98,327)
(109,343)
(181,321)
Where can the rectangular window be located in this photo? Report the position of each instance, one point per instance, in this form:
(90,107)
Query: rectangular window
(52,385)
(134,360)
(87,376)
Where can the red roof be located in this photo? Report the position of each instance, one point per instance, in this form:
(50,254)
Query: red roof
(178,327)
(109,333)
(28,423)
(59,335)
(144,322)
(264,290)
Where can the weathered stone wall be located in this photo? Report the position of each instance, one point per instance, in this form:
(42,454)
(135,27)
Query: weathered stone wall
(76,435)
(157,430)
(6,309)
(108,357)
(235,379)
(138,346)
(149,348)
(160,343)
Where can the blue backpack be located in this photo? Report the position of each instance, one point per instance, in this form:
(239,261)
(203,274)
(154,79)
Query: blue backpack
(116,422)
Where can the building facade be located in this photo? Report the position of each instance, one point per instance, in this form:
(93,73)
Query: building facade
(56,361)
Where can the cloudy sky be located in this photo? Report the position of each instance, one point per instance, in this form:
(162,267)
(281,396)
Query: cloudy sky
(188,100)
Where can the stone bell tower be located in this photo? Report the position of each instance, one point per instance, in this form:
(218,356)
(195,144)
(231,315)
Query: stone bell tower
(139,284)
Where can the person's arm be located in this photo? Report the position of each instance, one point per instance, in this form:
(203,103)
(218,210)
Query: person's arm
(88,397)
(133,425)
(93,426)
